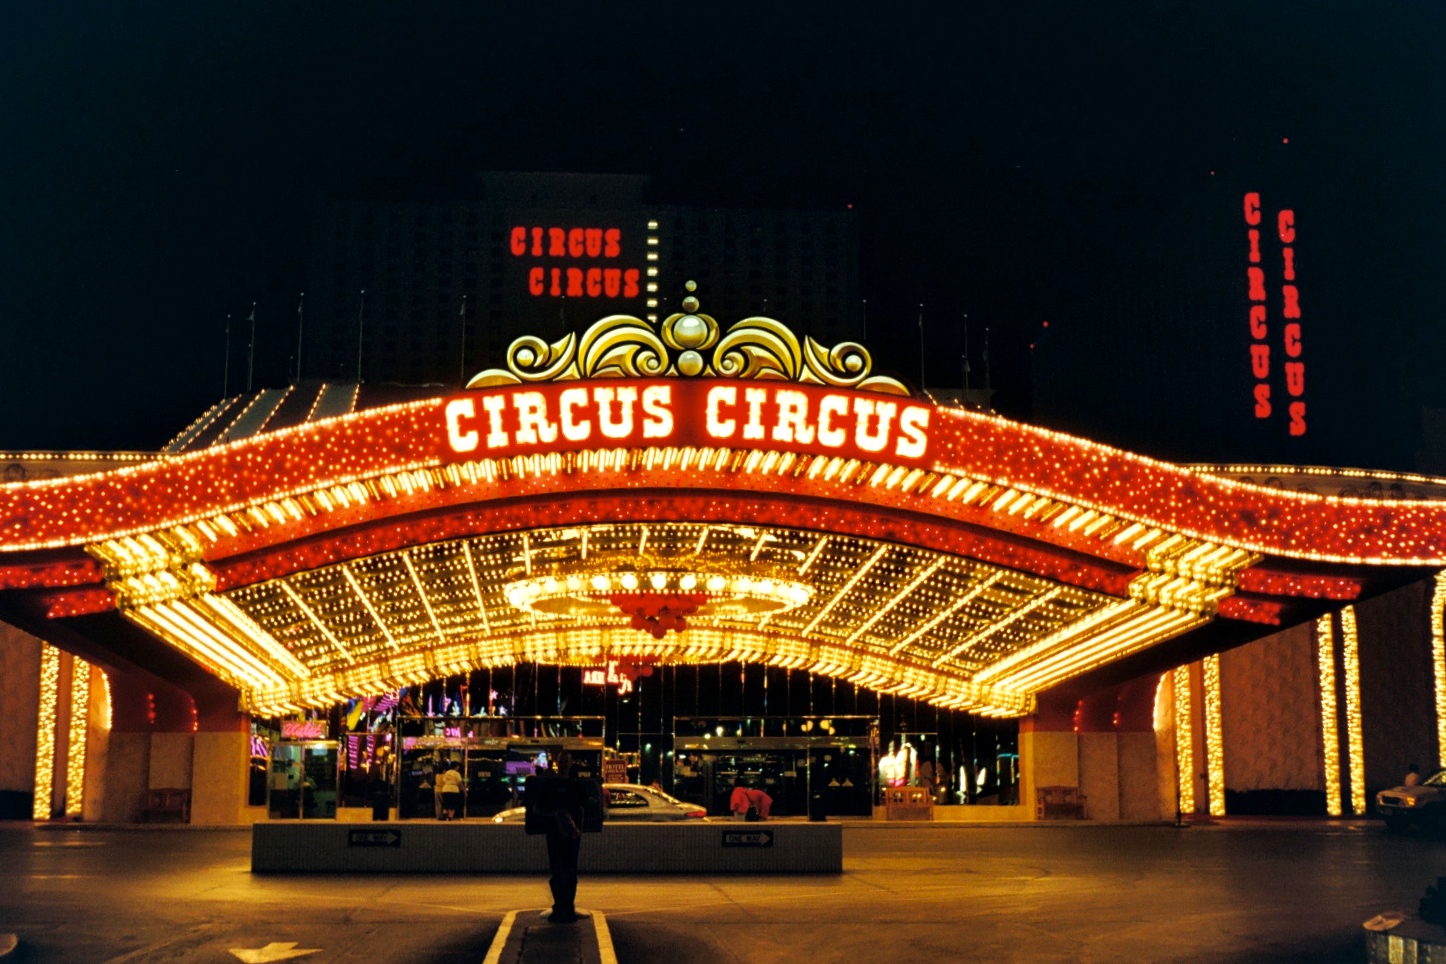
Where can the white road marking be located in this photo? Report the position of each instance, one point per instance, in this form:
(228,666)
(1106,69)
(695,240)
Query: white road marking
(272,952)
(605,951)
(499,941)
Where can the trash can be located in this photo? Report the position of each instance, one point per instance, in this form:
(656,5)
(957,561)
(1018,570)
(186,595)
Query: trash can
(817,806)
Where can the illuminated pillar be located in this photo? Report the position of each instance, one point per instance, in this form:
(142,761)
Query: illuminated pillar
(45,731)
(79,731)
(1184,740)
(1329,731)
(1214,738)
(1354,739)
(1438,663)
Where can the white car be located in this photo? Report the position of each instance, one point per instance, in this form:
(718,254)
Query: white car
(629,802)
(1423,804)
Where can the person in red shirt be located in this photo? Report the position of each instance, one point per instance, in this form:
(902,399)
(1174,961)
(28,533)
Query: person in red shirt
(745,798)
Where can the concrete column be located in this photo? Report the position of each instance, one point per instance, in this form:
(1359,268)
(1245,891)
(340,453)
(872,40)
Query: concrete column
(1104,744)
(149,746)
(221,759)
(19,704)
(1048,750)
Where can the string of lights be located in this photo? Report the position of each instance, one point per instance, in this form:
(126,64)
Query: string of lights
(45,730)
(1184,739)
(1329,728)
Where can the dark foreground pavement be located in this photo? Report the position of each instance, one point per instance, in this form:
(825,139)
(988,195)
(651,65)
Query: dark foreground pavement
(1279,892)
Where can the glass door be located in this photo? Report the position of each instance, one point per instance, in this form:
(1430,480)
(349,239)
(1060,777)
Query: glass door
(302,781)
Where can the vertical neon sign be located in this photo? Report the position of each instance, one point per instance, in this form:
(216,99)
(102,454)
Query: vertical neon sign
(1290,311)
(1260,366)
(1255,277)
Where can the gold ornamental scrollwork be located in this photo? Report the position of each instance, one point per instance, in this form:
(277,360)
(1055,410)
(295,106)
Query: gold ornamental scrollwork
(688,344)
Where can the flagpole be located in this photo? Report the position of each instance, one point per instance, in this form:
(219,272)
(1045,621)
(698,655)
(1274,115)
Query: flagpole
(463,365)
(966,358)
(300,327)
(360,330)
(921,346)
(251,354)
(987,385)
(226,373)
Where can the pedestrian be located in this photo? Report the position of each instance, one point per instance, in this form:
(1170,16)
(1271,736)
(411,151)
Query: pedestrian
(555,806)
(1413,776)
(739,802)
(450,784)
(762,804)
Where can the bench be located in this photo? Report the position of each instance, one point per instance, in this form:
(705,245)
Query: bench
(1055,803)
(166,805)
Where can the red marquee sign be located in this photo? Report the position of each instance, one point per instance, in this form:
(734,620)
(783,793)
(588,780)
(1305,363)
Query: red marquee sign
(561,417)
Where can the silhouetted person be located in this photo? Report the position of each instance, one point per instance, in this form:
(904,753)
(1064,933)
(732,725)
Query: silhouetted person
(555,806)
(1413,776)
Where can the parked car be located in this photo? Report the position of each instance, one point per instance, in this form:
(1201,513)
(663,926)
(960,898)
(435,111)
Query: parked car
(1423,805)
(629,802)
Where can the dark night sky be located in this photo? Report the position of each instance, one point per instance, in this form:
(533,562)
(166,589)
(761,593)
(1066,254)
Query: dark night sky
(161,161)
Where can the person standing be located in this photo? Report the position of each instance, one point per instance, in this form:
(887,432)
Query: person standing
(555,807)
(1413,776)
(450,785)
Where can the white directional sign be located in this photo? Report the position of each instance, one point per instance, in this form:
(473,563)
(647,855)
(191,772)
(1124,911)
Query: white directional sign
(272,952)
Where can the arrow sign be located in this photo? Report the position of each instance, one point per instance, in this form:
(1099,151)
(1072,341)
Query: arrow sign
(374,838)
(748,838)
(272,952)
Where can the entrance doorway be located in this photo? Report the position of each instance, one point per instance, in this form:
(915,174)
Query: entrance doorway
(303,781)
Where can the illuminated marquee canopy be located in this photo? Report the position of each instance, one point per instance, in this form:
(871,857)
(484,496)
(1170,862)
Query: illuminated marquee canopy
(681,493)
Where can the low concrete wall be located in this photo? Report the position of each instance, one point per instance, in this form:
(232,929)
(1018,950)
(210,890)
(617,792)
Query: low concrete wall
(482,848)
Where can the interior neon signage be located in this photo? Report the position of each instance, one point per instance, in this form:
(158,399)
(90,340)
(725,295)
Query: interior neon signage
(863,425)
(575,244)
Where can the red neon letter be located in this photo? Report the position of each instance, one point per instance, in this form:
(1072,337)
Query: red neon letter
(1260,361)
(519,241)
(556,291)
(1254,246)
(496,434)
(830,406)
(1252,208)
(912,424)
(864,411)
(537,242)
(1292,340)
(1289,255)
(630,283)
(573,429)
(657,411)
(755,397)
(556,243)
(1257,321)
(574,282)
(593,242)
(627,398)
(1257,283)
(594,282)
(1285,223)
(1262,400)
(612,281)
(1295,378)
(1297,418)
(534,281)
(792,418)
(532,422)
(612,243)
(574,243)
(719,396)
(1292,301)
(458,409)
